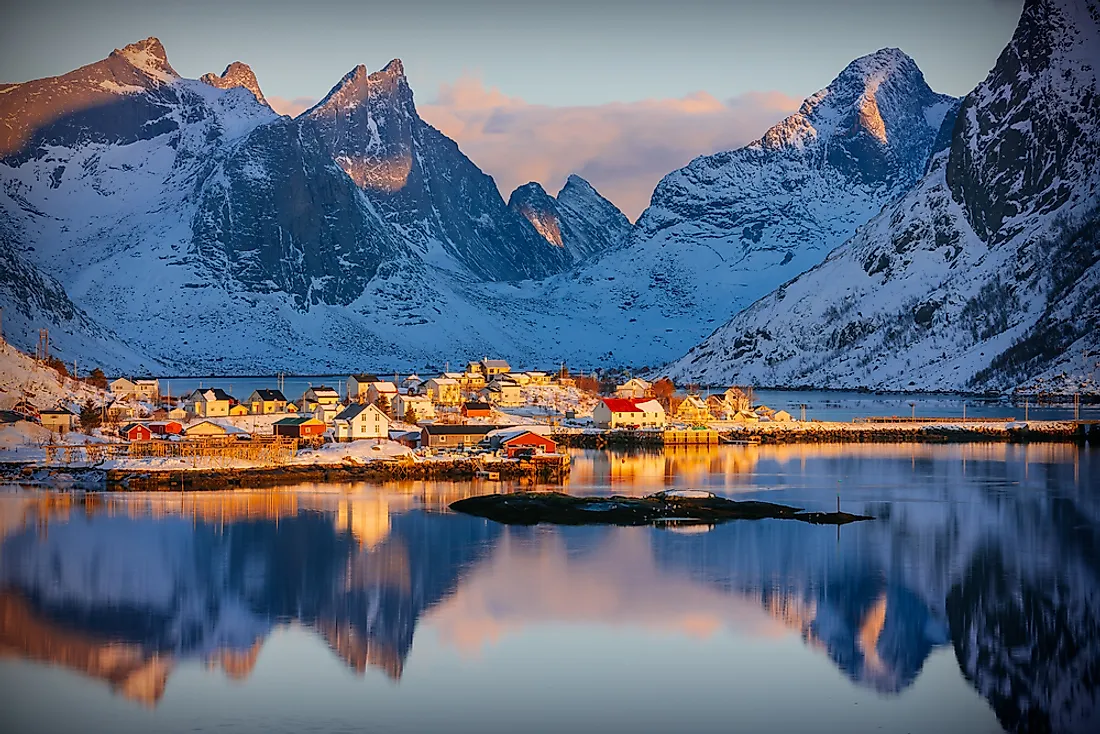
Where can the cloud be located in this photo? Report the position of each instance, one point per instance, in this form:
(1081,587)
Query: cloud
(622,148)
(292,107)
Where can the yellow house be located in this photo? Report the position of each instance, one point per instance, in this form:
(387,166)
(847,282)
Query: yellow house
(693,410)
(239,409)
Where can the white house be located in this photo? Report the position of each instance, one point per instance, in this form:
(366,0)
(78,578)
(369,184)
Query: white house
(122,388)
(421,406)
(633,389)
(361,420)
(381,389)
(148,390)
(538,378)
(503,392)
(319,395)
(444,390)
(520,378)
(327,412)
(628,413)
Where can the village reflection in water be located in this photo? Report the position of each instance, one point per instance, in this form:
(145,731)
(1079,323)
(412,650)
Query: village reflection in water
(986,551)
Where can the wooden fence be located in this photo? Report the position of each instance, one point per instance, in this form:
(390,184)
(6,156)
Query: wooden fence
(210,451)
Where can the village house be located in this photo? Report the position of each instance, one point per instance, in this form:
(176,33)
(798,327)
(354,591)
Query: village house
(421,407)
(359,421)
(538,378)
(626,413)
(206,429)
(122,388)
(411,439)
(178,414)
(472,381)
(266,402)
(327,412)
(358,384)
(738,400)
(210,402)
(781,416)
(238,410)
(381,389)
(503,392)
(411,383)
(520,441)
(147,390)
(435,435)
(444,390)
(165,428)
(692,409)
(634,388)
(135,432)
(299,426)
(318,395)
(58,420)
(474,368)
(717,406)
(493,367)
(476,410)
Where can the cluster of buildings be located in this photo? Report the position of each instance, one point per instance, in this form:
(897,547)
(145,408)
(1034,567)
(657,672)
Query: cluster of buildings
(634,406)
(365,407)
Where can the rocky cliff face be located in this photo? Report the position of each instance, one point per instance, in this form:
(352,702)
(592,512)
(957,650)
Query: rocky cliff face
(236,74)
(578,220)
(421,181)
(984,275)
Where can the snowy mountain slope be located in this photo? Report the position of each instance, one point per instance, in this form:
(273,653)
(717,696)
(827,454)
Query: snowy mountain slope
(237,74)
(730,227)
(985,275)
(578,220)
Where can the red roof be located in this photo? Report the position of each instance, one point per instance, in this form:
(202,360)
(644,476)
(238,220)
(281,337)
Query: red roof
(622,405)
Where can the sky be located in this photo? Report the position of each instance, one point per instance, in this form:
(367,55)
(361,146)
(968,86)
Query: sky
(619,92)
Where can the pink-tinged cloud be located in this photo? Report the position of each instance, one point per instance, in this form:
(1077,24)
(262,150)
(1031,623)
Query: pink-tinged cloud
(621,148)
(292,107)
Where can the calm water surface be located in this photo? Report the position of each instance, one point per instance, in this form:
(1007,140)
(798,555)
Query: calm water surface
(972,604)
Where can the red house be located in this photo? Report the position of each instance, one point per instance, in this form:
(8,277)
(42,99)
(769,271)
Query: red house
(135,432)
(165,428)
(522,442)
(477,410)
(304,426)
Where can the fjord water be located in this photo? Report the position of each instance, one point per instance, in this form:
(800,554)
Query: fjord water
(971,604)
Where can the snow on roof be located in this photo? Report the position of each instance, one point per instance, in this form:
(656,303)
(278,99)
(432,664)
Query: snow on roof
(452,375)
(496,363)
(324,390)
(510,432)
(444,380)
(383,386)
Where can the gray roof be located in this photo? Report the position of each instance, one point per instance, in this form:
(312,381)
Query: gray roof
(461,429)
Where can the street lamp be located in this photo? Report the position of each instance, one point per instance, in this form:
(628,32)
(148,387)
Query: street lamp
(913,406)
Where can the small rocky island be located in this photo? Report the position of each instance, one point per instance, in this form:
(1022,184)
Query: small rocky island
(676,507)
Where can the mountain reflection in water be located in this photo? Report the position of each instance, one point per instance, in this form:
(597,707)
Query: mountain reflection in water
(989,552)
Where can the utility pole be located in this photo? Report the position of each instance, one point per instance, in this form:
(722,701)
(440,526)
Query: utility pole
(1025,408)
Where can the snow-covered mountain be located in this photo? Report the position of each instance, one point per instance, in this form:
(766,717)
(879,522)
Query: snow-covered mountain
(986,274)
(730,227)
(578,219)
(196,228)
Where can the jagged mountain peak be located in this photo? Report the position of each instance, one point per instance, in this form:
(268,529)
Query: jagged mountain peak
(876,95)
(532,203)
(237,74)
(575,182)
(149,57)
(358,86)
